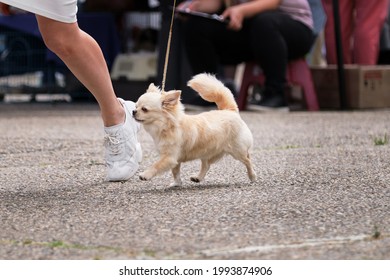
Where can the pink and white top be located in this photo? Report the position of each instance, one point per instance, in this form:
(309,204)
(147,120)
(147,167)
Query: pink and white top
(297,9)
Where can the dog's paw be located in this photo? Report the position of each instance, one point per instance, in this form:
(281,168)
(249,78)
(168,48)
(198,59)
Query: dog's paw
(175,185)
(145,176)
(195,179)
(176,182)
(142,178)
(252,177)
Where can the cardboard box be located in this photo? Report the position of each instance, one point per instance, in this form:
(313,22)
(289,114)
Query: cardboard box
(366,86)
(132,74)
(135,66)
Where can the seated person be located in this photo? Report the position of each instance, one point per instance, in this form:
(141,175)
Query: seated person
(269,32)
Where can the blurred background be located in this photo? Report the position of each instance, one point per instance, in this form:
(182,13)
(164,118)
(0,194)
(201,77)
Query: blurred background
(133,36)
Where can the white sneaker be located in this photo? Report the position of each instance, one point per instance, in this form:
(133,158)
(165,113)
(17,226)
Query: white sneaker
(123,151)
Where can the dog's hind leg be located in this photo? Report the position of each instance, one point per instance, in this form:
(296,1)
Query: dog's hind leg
(246,160)
(176,176)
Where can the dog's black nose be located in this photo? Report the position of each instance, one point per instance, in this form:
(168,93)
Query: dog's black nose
(134,112)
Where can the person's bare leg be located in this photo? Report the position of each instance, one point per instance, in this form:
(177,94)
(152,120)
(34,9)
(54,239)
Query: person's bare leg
(83,56)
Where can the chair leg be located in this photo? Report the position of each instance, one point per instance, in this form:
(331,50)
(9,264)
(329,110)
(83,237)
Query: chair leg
(299,73)
(246,81)
(242,96)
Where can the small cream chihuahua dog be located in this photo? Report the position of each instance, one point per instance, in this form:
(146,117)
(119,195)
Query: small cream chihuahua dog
(207,136)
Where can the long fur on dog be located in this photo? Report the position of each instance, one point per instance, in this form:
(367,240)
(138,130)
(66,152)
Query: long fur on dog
(206,136)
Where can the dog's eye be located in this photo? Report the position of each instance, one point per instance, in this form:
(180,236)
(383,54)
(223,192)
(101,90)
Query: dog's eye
(144,109)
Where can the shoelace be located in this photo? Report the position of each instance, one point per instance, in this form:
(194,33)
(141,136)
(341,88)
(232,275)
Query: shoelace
(113,143)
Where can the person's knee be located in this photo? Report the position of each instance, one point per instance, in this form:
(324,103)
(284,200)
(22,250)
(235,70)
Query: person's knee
(60,40)
(265,21)
(60,45)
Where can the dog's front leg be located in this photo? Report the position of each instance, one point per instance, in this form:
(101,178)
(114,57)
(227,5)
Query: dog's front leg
(164,164)
(202,173)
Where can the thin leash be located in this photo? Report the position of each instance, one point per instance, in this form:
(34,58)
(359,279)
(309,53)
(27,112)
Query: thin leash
(168,48)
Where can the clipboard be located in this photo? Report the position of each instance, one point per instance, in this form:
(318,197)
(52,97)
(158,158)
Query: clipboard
(214,17)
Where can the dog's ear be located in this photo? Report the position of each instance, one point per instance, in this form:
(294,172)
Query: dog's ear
(153,88)
(171,98)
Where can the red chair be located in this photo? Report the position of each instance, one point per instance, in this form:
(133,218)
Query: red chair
(298,73)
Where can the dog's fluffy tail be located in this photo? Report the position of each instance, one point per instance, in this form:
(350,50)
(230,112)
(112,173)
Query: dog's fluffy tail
(213,90)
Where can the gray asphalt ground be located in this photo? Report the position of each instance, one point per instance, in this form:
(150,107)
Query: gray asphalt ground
(323,191)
